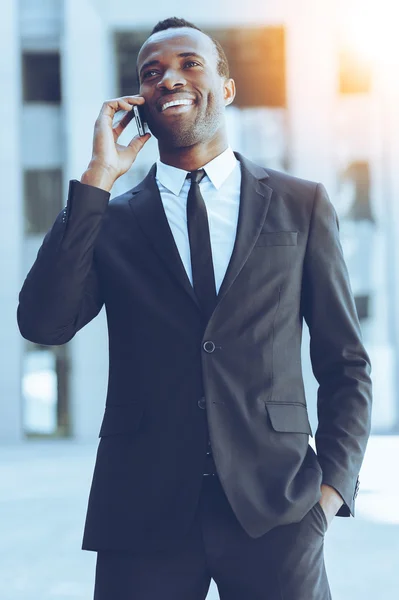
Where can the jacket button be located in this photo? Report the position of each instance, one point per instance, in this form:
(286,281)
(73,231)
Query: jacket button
(202,403)
(209,347)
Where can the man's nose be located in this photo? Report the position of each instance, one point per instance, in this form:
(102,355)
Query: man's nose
(171,79)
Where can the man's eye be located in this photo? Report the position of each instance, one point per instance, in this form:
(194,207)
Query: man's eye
(191,63)
(149,74)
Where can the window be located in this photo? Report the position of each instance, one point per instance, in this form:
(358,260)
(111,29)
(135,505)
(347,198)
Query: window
(43,199)
(45,391)
(41,77)
(358,233)
(127,49)
(354,73)
(362,307)
(257,64)
(358,175)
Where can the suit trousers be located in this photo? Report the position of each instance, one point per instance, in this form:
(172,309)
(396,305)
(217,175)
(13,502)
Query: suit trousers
(286,563)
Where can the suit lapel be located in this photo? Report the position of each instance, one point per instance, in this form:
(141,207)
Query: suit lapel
(255,198)
(147,205)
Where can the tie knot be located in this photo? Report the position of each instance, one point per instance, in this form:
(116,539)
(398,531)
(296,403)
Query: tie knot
(196,176)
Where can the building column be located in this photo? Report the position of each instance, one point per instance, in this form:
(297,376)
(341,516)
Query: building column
(86,82)
(391,176)
(312,73)
(11,224)
(311,90)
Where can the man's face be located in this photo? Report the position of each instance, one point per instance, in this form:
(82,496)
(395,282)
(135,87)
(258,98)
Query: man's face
(185,96)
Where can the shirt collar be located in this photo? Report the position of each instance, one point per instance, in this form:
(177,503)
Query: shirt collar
(218,170)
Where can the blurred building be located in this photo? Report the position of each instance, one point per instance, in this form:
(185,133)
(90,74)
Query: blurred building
(307,103)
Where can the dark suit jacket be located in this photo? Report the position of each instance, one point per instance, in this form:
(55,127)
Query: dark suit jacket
(287,265)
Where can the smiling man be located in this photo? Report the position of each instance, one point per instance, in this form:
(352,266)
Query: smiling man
(207,270)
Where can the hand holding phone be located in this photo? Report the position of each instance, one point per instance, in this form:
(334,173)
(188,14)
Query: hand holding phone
(111,159)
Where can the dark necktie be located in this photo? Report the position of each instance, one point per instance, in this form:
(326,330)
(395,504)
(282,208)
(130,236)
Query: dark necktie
(200,246)
(202,267)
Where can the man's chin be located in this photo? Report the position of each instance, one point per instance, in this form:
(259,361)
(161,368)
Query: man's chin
(174,138)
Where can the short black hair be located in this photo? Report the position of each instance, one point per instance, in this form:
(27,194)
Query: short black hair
(176,23)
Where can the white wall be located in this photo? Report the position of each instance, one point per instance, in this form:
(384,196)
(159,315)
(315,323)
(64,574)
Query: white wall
(129,14)
(10,226)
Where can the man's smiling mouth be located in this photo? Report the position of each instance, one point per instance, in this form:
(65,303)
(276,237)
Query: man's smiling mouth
(181,102)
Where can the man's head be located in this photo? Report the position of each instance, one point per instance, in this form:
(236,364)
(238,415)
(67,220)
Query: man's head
(184,78)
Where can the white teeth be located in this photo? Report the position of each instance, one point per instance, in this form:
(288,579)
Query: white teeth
(176,103)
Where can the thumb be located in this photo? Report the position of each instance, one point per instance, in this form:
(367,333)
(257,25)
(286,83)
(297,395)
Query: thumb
(138,142)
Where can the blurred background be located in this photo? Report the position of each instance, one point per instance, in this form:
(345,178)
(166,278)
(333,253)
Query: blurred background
(317,96)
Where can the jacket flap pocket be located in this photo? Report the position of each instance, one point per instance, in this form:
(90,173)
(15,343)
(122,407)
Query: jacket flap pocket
(290,418)
(121,418)
(277,238)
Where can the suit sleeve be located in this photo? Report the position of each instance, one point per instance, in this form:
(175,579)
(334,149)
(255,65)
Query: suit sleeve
(61,292)
(340,362)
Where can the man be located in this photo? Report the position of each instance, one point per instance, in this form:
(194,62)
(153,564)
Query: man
(204,468)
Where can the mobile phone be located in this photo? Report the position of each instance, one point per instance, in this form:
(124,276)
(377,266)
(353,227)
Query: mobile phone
(142,126)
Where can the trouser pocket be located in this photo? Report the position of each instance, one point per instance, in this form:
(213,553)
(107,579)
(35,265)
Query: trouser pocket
(321,514)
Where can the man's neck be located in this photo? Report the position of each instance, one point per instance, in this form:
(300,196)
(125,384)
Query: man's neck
(192,157)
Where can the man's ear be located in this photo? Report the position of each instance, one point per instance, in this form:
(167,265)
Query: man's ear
(229,88)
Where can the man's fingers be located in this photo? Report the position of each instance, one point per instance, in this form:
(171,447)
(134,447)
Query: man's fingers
(137,99)
(111,107)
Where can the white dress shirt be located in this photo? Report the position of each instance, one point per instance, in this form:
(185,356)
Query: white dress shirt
(220,189)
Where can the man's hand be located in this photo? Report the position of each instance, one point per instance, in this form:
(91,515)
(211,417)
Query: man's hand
(109,159)
(330,502)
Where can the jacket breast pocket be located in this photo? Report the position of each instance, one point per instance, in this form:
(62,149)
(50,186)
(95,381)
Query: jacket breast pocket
(277,238)
(121,418)
(289,418)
